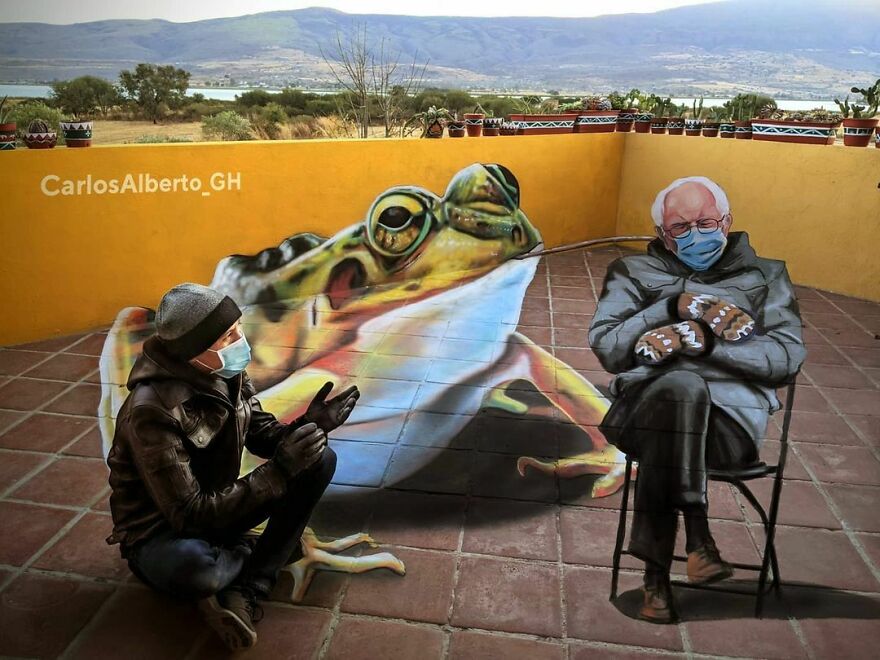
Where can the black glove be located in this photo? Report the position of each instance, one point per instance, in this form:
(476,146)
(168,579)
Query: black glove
(300,449)
(331,414)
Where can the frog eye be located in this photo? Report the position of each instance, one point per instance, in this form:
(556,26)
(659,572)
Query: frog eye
(398,222)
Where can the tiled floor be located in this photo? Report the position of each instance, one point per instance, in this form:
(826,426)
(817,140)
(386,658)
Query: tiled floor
(497,566)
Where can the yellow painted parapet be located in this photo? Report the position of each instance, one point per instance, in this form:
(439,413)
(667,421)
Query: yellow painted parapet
(87,232)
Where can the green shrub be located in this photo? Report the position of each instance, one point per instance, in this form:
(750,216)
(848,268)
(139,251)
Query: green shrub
(227,125)
(161,139)
(198,110)
(24,113)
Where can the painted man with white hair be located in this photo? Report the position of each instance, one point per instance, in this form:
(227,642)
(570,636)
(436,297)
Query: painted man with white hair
(700,331)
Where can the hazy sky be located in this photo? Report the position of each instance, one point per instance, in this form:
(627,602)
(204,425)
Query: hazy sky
(72,11)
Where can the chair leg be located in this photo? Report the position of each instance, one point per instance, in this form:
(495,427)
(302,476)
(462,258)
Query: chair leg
(768,558)
(621,531)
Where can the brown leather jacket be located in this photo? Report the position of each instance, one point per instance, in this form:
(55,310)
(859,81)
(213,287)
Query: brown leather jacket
(176,453)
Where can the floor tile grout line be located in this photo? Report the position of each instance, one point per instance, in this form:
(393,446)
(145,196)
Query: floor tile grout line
(91,624)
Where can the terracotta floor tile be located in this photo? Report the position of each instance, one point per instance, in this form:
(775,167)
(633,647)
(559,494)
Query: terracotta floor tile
(794,468)
(418,520)
(83,399)
(825,355)
(571,280)
(89,446)
(826,375)
(584,293)
(511,596)
(848,337)
(859,505)
(8,418)
(51,345)
(366,639)
(848,465)
(576,337)
(828,321)
(13,362)
(581,651)
(800,504)
(808,398)
(511,529)
(722,502)
(430,470)
(869,427)
(90,345)
(855,402)
(734,541)
(495,475)
(324,590)
(47,433)
(823,428)
(65,367)
(821,557)
(871,544)
(144,623)
(67,481)
(27,394)
(864,357)
(360,463)
(588,536)
(25,528)
(579,358)
(535,317)
(578,321)
(84,551)
(423,594)
(540,304)
(540,335)
(16,465)
(842,638)
(471,645)
(41,615)
(590,615)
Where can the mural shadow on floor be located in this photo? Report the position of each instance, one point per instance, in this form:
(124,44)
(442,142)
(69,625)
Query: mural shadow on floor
(798,599)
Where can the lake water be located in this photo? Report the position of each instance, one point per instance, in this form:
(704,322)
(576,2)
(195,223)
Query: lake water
(227,94)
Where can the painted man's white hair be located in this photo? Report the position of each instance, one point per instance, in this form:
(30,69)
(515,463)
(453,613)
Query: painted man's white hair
(660,201)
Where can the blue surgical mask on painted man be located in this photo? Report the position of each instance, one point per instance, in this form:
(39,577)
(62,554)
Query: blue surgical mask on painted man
(700,251)
(234,358)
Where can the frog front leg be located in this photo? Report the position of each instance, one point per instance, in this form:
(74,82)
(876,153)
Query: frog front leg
(575,398)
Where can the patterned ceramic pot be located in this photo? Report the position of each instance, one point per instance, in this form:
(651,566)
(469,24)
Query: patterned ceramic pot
(491,126)
(802,132)
(877,140)
(455,128)
(41,140)
(7,136)
(434,130)
(643,122)
(473,122)
(77,133)
(693,126)
(710,128)
(742,130)
(596,121)
(727,129)
(625,120)
(857,132)
(658,125)
(507,128)
(544,124)
(675,126)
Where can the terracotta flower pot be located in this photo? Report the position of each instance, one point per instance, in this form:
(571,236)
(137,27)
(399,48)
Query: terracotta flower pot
(857,132)
(544,124)
(877,140)
(491,126)
(625,120)
(710,128)
(41,140)
(77,133)
(507,128)
(643,122)
(742,130)
(658,125)
(434,130)
(7,136)
(727,129)
(596,121)
(675,126)
(473,121)
(456,129)
(786,130)
(693,127)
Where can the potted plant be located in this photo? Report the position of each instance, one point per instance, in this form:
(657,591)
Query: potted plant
(596,116)
(726,127)
(675,125)
(858,128)
(507,128)
(694,125)
(77,133)
(40,136)
(7,128)
(660,120)
(816,126)
(433,120)
(456,127)
(625,106)
(473,121)
(547,120)
(492,126)
(712,124)
(643,117)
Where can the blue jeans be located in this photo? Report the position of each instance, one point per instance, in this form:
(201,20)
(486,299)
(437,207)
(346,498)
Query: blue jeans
(194,568)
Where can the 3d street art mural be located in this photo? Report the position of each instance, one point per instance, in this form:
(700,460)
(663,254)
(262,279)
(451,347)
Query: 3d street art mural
(418,304)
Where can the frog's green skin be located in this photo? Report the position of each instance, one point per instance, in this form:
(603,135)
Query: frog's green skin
(419,275)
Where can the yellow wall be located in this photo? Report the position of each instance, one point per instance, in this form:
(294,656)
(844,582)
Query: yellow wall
(70,263)
(815,207)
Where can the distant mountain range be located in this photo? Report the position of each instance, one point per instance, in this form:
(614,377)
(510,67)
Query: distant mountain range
(793,48)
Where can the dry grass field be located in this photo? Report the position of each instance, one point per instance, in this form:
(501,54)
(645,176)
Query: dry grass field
(122,132)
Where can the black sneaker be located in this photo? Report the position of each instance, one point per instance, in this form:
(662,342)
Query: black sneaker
(231,614)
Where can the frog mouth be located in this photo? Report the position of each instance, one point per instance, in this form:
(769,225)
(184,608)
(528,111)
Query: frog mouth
(345,278)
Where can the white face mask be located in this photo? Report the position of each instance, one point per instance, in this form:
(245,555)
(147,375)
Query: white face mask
(233,358)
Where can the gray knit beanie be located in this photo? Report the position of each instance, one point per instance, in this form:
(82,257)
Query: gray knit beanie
(191,317)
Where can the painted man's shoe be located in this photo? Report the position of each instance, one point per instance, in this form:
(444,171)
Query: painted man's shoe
(232,614)
(657,603)
(705,565)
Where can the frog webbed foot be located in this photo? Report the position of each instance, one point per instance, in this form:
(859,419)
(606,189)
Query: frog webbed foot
(320,556)
(608,462)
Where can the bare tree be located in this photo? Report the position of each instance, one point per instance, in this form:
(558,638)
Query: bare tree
(371,75)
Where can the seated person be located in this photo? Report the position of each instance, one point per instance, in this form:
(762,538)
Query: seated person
(699,330)
(181,512)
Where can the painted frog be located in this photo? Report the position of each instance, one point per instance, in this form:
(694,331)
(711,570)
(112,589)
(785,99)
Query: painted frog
(418,304)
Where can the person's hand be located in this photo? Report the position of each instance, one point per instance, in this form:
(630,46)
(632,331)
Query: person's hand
(724,319)
(300,449)
(331,414)
(661,344)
